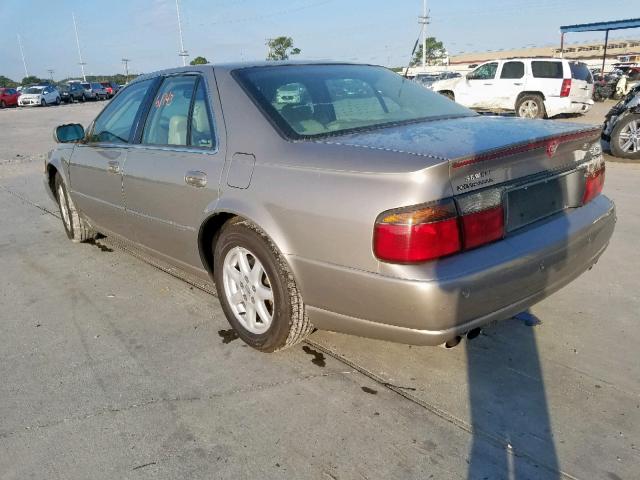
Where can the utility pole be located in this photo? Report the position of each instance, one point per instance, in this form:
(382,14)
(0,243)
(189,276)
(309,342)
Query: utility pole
(26,73)
(81,63)
(51,70)
(423,21)
(126,61)
(183,53)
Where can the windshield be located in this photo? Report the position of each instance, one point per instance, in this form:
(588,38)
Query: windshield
(86,86)
(580,71)
(317,100)
(34,90)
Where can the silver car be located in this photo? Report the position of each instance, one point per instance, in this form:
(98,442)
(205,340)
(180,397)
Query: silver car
(369,206)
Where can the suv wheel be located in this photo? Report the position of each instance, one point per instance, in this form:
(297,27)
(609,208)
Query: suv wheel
(530,106)
(625,138)
(257,291)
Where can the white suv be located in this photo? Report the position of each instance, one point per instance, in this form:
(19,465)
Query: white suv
(532,87)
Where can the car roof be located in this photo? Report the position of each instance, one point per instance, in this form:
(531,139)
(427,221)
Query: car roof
(230,66)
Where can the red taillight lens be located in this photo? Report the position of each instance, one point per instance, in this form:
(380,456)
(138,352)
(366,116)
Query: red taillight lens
(418,234)
(593,185)
(482,227)
(566,87)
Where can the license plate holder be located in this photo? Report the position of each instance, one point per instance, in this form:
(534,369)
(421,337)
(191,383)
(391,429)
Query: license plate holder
(529,203)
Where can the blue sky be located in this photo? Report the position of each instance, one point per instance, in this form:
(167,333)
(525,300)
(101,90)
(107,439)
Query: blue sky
(376,31)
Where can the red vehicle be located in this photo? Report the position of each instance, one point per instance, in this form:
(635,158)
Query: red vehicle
(8,97)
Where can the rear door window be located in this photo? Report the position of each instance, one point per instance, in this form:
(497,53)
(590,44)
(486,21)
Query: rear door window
(546,69)
(512,70)
(168,120)
(579,71)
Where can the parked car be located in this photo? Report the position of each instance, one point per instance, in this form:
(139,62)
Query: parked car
(42,96)
(76,91)
(8,97)
(532,87)
(94,91)
(111,88)
(428,79)
(622,126)
(398,215)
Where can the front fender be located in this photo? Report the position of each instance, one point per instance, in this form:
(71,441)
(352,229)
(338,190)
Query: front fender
(58,159)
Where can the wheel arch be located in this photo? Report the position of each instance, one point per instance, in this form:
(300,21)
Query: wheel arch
(529,92)
(223,213)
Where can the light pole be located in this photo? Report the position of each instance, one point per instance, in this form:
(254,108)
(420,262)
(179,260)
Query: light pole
(24,63)
(126,61)
(81,63)
(423,21)
(51,70)
(182,53)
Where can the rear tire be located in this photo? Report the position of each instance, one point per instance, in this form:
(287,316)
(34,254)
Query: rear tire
(76,228)
(530,106)
(256,289)
(625,138)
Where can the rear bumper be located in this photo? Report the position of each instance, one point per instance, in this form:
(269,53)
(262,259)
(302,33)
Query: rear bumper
(435,302)
(557,105)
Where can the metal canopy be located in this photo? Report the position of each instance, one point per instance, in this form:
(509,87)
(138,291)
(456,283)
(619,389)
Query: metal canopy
(598,27)
(602,26)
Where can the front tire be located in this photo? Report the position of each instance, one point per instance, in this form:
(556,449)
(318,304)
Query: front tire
(2,104)
(256,289)
(530,106)
(625,138)
(76,228)
(43,103)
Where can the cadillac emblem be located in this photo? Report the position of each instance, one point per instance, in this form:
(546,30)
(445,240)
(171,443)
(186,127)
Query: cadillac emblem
(552,146)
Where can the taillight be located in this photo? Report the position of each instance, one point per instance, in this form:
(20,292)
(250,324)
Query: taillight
(593,185)
(417,234)
(426,232)
(566,87)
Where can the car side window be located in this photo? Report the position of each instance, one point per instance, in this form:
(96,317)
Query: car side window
(168,119)
(512,70)
(544,69)
(484,72)
(201,133)
(116,122)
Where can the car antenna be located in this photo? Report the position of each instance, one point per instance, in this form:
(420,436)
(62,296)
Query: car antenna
(415,45)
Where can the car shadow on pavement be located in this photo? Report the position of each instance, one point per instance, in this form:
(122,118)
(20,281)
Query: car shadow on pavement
(508,405)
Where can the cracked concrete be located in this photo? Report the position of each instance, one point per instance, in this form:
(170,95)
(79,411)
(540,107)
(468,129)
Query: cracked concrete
(110,368)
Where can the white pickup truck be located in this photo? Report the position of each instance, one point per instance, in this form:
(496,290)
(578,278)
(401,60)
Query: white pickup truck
(532,87)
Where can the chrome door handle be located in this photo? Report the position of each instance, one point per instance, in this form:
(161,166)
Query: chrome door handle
(518,83)
(113,167)
(195,178)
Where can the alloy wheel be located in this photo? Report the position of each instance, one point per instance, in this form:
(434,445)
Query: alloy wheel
(248,290)
(528,109)
(64,208)
(629,137)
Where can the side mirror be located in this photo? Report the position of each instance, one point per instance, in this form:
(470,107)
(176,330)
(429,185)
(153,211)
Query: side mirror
(69,133)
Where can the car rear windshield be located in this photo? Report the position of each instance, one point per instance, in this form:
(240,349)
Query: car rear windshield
(308,101)
(580,71)
(542,69)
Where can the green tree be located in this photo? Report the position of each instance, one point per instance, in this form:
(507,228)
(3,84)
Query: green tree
(31,79)
(198,61)
(435,51)
(280,48)
(7,82)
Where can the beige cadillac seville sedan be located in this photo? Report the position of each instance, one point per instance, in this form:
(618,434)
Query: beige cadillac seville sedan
(337,196)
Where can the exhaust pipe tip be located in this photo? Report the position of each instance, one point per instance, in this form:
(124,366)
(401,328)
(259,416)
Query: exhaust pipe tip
(473,333)
(452,342)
